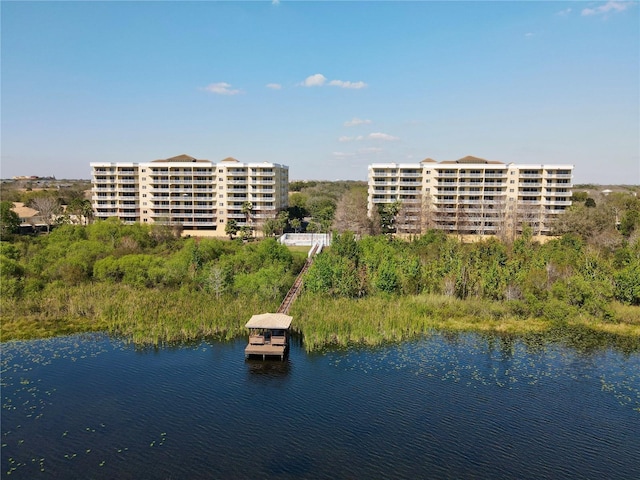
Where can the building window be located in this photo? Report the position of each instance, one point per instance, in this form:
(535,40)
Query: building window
(221,204)
(511,190)
(512,181)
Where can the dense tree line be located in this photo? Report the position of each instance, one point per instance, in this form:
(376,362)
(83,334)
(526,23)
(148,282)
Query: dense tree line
(561,277)
(143,257)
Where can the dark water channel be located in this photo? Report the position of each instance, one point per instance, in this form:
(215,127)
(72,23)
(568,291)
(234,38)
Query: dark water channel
(461,408)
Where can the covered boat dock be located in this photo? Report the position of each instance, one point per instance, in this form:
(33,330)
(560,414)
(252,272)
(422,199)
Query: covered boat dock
(268,335)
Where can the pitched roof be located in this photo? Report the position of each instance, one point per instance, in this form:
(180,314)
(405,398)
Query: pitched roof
(180,158)
(24,212)
(471,159)
(278,321)
(230,159)
(428,160)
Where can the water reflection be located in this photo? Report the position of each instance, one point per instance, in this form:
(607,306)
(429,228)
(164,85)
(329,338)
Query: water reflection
(445,406)
(269,367)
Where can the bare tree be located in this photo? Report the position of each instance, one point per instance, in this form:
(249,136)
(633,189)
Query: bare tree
(409,217)
(426,213)
(216,280)
(351,213)
(530,214)
(47,207)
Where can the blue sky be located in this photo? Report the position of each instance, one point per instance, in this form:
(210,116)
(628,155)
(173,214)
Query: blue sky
(324,87)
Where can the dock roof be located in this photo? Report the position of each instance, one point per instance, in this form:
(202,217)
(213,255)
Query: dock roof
(278,321)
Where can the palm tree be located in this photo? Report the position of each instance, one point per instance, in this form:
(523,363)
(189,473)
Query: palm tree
(247,210)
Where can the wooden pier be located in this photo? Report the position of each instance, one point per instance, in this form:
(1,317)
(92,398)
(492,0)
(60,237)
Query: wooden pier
(269,335)
(269,332)
(297,285)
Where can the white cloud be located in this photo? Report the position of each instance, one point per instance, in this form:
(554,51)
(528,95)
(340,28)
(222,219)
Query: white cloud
(319,80)
(564,12)
(382,136)
(221,88)
(275,2)
(273,86)
(356,121)
(347,84)
(610,7)
(529,34)
(316,80)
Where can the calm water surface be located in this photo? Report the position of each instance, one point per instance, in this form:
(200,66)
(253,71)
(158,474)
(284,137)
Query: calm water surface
(463,407)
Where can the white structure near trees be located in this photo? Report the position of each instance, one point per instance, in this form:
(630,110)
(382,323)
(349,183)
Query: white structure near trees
(196,194)
(471,196)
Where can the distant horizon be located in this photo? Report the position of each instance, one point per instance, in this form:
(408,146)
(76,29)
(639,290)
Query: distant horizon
(326,88)
(291,180)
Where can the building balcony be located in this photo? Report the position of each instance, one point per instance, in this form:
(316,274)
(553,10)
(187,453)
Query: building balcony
(558,175)
(559,184)
(386,183)
(529,184)
(557,194)
(471,184)
(496,175)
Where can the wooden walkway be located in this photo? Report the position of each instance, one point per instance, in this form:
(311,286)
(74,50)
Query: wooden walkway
(295,288)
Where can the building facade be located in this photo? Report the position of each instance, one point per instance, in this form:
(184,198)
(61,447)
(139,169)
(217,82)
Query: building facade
(196,194)
(471,196)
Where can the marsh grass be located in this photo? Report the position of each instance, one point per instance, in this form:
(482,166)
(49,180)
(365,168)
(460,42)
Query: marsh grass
(375,320)
(149,317)
(144,316)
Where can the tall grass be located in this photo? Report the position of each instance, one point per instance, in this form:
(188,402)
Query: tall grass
(144,316)
(374,320)
(157,316)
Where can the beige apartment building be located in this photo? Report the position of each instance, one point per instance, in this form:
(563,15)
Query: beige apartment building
(472,196)
(196,194)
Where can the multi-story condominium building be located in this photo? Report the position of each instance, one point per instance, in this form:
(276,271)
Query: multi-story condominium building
(197,194)
(471,195)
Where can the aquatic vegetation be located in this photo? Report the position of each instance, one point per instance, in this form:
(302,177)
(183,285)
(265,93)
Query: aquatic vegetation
(376,320)
(152,290)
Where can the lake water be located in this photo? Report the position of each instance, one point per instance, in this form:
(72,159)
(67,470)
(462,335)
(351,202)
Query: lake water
(459,407)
